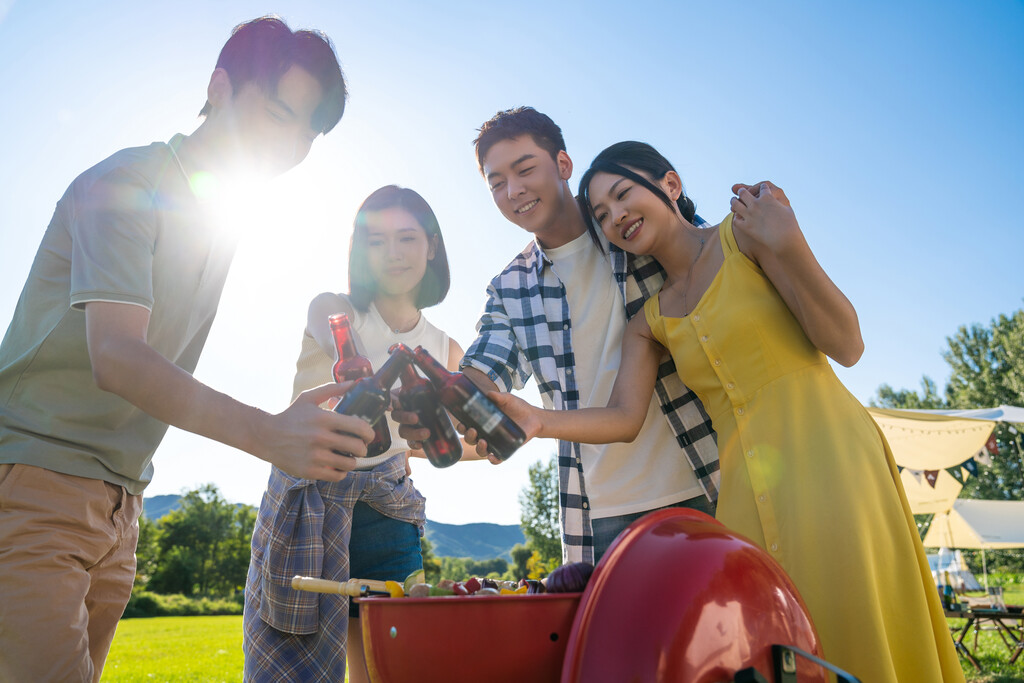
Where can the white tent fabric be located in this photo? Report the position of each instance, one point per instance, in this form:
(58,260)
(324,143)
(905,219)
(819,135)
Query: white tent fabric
(924,440)
(923,498)
(1000,414)
(952,561)
(980,524)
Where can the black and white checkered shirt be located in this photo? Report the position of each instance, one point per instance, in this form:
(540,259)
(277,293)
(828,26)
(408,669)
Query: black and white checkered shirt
(526,331)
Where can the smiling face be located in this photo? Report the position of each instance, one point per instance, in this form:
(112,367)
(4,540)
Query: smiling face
(397,251)
(272,131)
(530,187)
(631,216)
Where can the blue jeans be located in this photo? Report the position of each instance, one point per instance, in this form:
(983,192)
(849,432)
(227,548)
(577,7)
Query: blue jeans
(381,548)
(606,529)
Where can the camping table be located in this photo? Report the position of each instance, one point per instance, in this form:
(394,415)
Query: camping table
(1001,619)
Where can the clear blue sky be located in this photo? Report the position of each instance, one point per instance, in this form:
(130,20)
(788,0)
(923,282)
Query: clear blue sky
(894,127)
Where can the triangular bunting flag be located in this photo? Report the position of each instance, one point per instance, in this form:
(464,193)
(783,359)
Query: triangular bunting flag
(899,468)
(916,474)
(931,476)
(971,467)
(992,446)
(983,457)
(955,473)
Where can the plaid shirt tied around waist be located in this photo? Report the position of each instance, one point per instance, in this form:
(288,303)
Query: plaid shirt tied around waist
(288,539)
(526,330)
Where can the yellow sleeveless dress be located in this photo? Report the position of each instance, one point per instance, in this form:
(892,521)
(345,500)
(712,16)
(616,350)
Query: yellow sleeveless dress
(807,475)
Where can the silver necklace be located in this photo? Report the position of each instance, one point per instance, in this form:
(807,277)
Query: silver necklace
(409,328)
(689,273)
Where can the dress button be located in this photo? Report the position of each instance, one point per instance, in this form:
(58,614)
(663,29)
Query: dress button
(696,318)
(704,338)
(750,454)
(762,498)
(718,362)
(569,372)
(565,326)
(775,547)
(730,385)
(586,505)
(739,411)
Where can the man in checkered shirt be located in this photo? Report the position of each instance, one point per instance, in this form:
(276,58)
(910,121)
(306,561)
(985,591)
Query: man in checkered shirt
(557,313)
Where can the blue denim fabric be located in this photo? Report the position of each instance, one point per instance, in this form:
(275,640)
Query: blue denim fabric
(381,548)
(606,529)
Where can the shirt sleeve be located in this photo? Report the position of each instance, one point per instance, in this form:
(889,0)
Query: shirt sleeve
(496,351)
(113,227)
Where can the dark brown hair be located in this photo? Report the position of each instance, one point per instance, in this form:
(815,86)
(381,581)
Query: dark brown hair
(437,278)
(262,50)
(513,123)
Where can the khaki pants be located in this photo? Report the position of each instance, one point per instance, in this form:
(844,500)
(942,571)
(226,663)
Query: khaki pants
(67,564)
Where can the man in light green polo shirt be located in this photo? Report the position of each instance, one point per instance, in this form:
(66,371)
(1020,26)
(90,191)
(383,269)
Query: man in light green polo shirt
(99,356)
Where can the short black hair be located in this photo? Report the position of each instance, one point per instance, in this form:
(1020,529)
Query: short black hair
(437,278)
(262,50)
(513,123)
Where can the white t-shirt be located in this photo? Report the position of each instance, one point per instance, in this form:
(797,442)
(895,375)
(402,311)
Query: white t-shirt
(621,478)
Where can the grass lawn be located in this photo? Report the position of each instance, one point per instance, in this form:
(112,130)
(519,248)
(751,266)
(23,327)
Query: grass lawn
(199,649)
(209,649)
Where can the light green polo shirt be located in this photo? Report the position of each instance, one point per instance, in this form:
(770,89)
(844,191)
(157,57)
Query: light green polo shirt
(127,230)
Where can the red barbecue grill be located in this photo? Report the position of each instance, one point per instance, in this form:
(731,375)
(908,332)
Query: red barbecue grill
(677,597)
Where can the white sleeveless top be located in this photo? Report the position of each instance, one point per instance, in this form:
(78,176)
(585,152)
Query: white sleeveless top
(373,339)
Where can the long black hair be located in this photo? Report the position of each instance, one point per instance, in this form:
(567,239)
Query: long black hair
(437,278)
(631,159)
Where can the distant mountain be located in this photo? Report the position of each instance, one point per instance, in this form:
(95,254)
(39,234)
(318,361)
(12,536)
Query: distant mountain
(157,506)
(480,541)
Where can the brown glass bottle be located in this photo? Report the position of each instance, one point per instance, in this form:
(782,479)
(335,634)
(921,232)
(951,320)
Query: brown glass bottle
(353,366)
(471,407)
(443,447)
(350,365)
(369,398)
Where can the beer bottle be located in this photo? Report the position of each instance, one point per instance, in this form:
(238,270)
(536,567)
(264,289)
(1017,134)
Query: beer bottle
(369,398)
(443,447)
(352,366)
(469,405)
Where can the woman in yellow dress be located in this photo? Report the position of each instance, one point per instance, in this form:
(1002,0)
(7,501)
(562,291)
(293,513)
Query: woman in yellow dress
(749,317)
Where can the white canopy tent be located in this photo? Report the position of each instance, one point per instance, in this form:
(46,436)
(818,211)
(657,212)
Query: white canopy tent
(978,524)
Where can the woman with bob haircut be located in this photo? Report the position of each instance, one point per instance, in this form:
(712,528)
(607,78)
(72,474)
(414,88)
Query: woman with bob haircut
(369,524)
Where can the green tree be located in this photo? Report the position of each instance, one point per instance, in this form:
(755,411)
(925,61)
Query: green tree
(147,551)
(539,512)
(519,568)
(203,546)
(928,399)
(431,563)
(987,370)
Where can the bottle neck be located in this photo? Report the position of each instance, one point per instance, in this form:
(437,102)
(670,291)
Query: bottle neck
(429,365)
(409,377)
(392,368)
(341,328)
